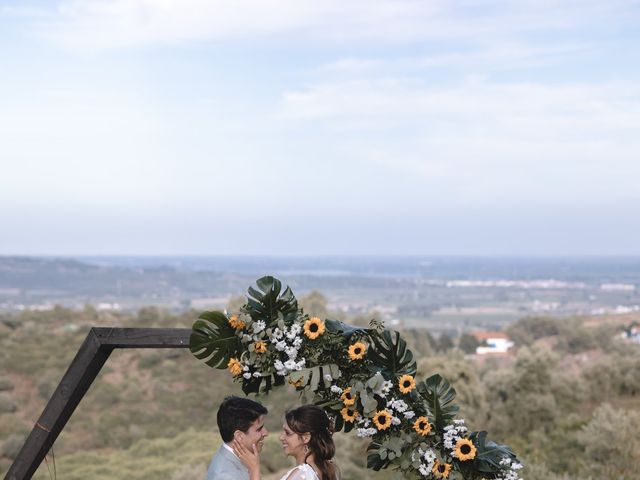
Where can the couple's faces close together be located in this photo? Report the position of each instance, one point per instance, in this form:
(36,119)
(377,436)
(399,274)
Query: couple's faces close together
(254,435)
(292,443)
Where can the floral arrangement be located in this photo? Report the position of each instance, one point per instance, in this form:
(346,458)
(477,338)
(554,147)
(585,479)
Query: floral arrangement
(364,378)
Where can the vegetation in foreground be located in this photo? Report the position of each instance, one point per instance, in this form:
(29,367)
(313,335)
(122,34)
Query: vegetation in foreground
(568,400)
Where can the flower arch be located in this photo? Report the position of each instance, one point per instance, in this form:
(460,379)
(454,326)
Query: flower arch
(364,378)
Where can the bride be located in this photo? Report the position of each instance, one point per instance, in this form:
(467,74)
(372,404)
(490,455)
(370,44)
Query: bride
(306,436)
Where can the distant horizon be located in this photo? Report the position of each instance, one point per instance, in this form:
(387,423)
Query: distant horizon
(327,255)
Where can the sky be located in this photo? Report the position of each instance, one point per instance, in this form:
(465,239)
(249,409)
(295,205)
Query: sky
(198,127)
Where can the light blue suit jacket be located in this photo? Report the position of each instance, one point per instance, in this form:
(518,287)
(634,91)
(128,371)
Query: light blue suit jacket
(226,466)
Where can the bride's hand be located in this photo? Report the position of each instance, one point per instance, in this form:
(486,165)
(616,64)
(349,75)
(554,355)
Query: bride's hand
(251,458)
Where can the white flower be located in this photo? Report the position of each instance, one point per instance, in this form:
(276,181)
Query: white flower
(277,334)
(257,374)
(395,421)
(297,342)
(259,326)
(245,368)
(246,375)
(386,387)
(281,345)
(327,377)
(450,437)
(294,331)
(398,405)
(290,364)
(366,432)
(429,456)
(336,389)
(292,352)
(409,414)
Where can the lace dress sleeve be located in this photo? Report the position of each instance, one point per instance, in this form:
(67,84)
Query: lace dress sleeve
(301,472)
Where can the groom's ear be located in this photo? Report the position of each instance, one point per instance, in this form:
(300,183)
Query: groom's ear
(238,435)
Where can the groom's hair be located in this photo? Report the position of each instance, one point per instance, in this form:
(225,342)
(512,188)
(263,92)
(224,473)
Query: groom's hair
(237,413)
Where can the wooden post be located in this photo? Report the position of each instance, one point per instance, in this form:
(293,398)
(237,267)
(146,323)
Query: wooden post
(82,371)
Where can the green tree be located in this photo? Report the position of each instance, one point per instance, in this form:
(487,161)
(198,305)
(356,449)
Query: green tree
(468,343)
(314,304)
(611,443)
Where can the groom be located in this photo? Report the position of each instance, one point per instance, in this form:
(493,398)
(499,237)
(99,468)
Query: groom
(241,419)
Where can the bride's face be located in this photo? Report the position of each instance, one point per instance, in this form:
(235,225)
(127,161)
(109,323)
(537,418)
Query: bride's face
(292,443)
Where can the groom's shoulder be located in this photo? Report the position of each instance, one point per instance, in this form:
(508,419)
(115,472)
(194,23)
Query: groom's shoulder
(223,467)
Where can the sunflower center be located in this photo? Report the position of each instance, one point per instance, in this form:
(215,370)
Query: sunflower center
(313,327)
(422,425)
(357,350)
(406,384)
(441,468)
(465,449)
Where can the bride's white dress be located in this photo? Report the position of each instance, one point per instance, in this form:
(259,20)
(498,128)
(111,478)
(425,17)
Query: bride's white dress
(301,472)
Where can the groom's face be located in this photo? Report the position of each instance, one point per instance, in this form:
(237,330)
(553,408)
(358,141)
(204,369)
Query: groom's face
(254,435)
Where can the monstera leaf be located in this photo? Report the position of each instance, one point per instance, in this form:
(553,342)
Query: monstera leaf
(267,303)
(213,340)
(344,329)
(438,395)
(390,355)
(489,454)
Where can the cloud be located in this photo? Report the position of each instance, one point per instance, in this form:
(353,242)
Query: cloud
(483,141)
(97,24)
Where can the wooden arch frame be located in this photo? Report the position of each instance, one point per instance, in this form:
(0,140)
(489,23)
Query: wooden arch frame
(91,356)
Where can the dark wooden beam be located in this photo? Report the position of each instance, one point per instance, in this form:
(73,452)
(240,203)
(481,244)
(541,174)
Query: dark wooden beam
(82,371)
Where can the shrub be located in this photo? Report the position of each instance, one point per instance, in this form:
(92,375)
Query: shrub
(7,405)
(5,385)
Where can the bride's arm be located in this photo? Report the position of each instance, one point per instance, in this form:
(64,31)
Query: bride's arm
(251,459)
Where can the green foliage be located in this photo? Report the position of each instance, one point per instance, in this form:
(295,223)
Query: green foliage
(530,329)
(268,304)
(489,454)
(213,340)
(6,385)
(438,395)
(468,343)
(611,440)
(7,405)
(160,394)
(391,356)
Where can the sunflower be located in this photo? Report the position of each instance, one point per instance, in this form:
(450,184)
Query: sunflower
(347,398)
(422,426)
(441,470)
(357,351)
(260,347)
(406,383)
(465,450)
(236,323)
(349,415)
(382,420)
(313,328)
(235,367)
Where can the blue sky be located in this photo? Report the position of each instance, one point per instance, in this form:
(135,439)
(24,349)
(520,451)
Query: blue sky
(317,128)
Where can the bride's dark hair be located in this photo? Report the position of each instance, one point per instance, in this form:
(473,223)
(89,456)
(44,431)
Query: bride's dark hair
(313,419)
